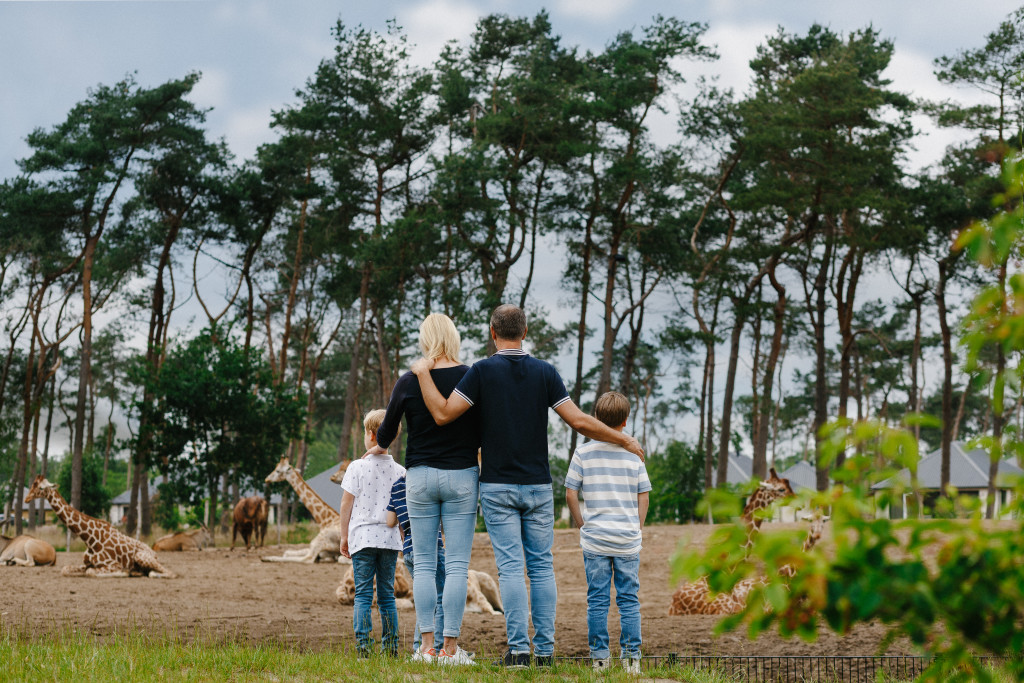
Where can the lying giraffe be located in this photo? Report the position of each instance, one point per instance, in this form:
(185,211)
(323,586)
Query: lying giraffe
(327,543)
(694,597)
(109,553)
(26,551)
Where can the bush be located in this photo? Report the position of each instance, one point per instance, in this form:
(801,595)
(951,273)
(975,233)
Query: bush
(95,498)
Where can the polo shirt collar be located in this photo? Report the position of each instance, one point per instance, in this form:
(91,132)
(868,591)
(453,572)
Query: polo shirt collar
(511,352)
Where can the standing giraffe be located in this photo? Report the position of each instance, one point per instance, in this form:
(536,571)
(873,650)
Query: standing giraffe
(767,492)
(694,597)
(109,553)
(328,541)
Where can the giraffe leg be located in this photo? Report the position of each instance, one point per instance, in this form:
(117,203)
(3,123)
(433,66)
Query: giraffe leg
(79,570)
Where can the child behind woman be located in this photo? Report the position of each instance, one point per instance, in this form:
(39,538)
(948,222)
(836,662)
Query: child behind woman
(369,541)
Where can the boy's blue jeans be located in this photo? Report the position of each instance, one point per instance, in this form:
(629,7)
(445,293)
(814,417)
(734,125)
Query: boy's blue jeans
(367,564)
(520,521)
(439,583)
(602,570)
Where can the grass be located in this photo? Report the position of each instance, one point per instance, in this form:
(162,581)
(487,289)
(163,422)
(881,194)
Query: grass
(74,655)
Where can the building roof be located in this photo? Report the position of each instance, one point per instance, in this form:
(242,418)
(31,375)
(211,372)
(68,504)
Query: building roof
(325,488)
(968,469)
(739,469)
(801,476)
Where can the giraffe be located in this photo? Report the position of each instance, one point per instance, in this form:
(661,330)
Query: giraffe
(693,597)
(110,553)
(328,541)
(767,492)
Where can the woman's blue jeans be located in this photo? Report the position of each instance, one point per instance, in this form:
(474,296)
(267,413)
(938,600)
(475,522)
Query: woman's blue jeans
(447,497)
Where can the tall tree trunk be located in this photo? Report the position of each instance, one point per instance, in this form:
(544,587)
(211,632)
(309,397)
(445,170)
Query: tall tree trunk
(353,371)
(760,466)
(725,426)
(947,375)
(820,368)
(998,413)
(581,328)
(85,372)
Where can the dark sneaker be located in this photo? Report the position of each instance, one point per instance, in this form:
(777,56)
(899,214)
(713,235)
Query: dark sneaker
(513,660)
(544,660)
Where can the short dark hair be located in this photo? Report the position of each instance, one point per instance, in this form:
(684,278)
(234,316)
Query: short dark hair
(508,322)
(612,408)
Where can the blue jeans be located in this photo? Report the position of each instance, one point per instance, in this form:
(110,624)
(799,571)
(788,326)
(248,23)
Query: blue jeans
(448,497)
(367,564)
(601,571)
(520,521)
(439,582)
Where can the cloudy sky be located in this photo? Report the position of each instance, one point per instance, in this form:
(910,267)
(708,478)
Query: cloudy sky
(253,54)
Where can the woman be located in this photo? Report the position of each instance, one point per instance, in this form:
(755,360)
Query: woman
(441,487)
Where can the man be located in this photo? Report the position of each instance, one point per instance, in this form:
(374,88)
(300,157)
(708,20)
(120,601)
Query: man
(513,392)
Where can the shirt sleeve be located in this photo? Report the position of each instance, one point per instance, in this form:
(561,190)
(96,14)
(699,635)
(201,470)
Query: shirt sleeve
(388,429)
(393,501)
(574,477)
(557,395)
(350,482)
(643,481)
(469,386)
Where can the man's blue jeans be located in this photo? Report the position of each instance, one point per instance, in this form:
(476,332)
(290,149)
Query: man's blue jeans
(439,583)
(435,496)
(602,570)
(520,521)
(367,564)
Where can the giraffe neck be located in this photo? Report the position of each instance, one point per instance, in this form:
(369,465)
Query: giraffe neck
(72,518)
(322,512)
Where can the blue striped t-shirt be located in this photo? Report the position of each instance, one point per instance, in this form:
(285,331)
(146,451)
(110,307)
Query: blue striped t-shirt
(609,477)
(401,510)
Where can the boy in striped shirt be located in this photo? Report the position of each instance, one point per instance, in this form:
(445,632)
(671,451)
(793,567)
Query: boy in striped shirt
(615,490)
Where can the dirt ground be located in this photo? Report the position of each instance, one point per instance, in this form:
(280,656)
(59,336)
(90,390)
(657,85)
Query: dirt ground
(222,593)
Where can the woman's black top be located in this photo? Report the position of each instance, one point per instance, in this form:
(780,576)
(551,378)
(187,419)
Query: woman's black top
(449,447)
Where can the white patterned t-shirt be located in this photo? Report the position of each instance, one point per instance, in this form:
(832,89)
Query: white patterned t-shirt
(369,480)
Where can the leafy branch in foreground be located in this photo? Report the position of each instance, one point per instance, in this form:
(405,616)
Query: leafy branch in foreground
(953,588)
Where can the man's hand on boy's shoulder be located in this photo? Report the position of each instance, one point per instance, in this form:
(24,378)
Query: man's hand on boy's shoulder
(376,450)
(421,365)
(634,447)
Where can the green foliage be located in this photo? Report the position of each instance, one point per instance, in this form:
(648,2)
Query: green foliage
(953,588)
(165,512)
(677,483)
(95,498)
(220,411)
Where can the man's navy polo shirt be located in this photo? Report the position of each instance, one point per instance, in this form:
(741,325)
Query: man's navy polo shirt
(513,391)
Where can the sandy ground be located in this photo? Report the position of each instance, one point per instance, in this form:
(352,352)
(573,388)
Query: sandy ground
(222,593)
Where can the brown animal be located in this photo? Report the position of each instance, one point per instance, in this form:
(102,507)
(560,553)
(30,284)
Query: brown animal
(26,551)
(695,597)
(250,520)
(197,539)
(346,591)
(109,553)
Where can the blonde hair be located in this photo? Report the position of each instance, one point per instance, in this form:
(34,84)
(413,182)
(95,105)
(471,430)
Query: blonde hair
(612,408)
(439,338)
(373,420)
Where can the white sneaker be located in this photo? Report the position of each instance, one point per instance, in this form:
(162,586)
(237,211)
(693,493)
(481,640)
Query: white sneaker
(632,665)
(601,664)
(460,658)
(428,656)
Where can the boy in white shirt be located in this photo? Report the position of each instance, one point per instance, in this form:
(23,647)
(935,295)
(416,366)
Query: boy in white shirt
(615,489)
(369,541)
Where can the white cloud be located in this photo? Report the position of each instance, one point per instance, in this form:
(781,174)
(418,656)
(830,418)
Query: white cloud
(430,25)
(212,89)
(594,11)
(247,129)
